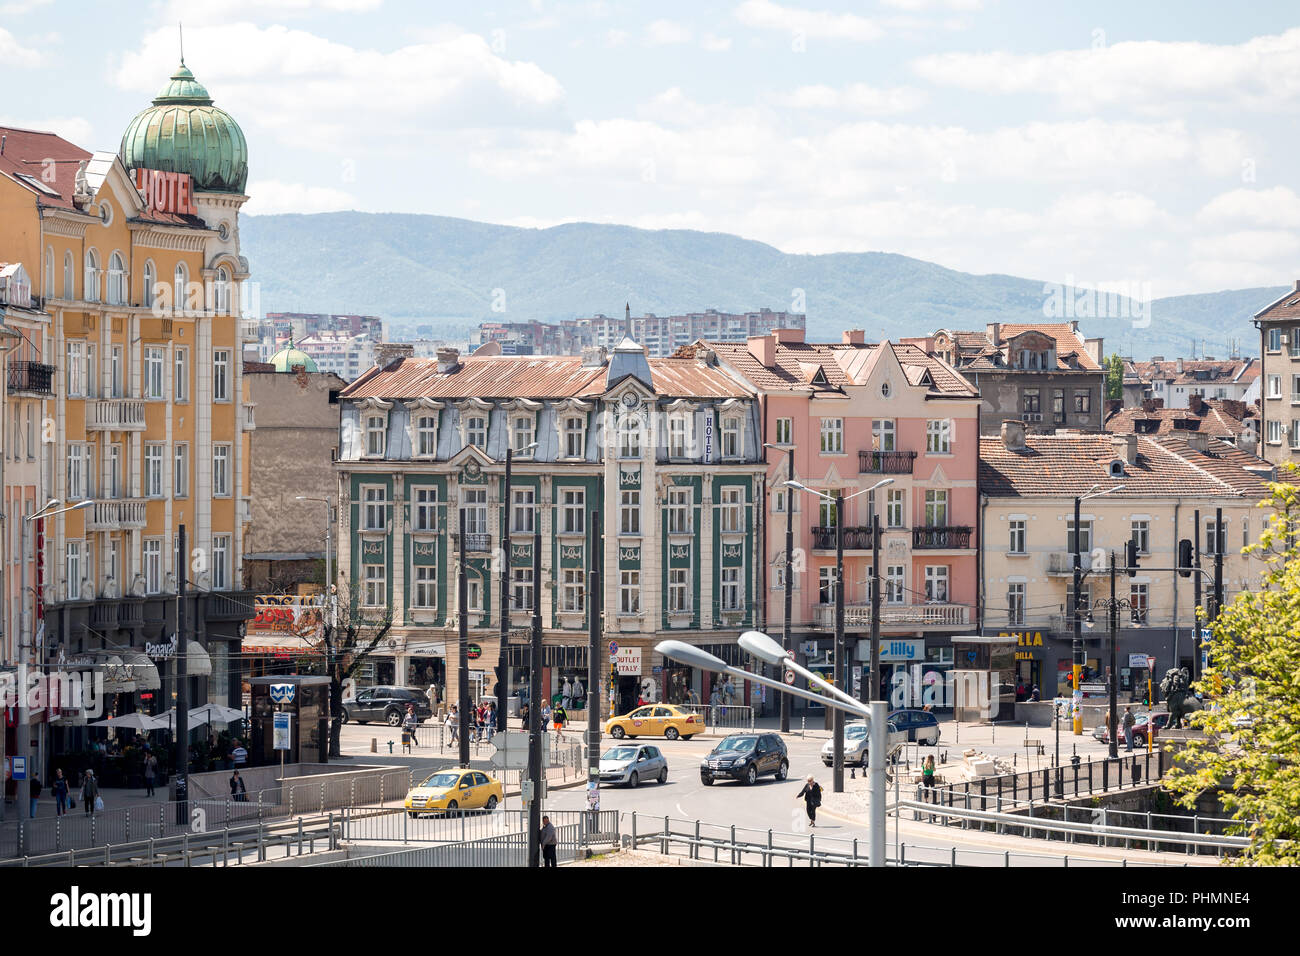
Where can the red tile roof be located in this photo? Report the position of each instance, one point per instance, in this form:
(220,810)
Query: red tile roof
(1221,418)
(1239,371)
(977,349)
(46,157)
(1287,307)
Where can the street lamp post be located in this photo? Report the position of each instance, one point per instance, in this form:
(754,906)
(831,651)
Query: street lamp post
(505,589)
(786,636)
(1112,608)
(1077,655)
(462,662)
(329,555)
(535,705)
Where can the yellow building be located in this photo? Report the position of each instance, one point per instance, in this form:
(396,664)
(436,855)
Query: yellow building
(134,261)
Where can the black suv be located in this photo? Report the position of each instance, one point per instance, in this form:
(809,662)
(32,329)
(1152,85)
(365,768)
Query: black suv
(387,704)
(745,757)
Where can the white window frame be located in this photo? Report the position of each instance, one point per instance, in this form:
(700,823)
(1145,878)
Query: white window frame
(90,279)
(374,508)
(221,562)
(376,427)
(895,508)
(424,509)
(221,375)
(522,590)
(1018,535)
(826,584)
(474,506)
(575,436)
(221,461)
(152,566)
(895,582)
(523,510)
(155,364)
(629,593)
(938,583)
(732,589)
(181,374)
(679,590)
(731,507)
(936,500)
(629,437)
(426,434)
(476,430)
(938,436)
(523,432)
(76,372)
(573,589)
(72,569)
(181,470)
(629,512)
(573,508)
(884,432)
(680,511)
(375,585)
(1085,535)
(154,456)
(784,431)
(424,587)
(1140,531)
(733,438)
(1016,603)
(832,436)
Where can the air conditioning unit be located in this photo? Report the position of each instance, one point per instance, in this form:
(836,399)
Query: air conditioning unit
(1032,417)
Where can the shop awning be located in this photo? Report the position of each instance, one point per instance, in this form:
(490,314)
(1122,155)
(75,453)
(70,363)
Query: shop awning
(197,661)
(143,671)
(117,677)
(278,644)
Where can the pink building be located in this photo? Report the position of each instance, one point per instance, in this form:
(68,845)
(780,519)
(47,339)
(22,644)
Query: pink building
(850,414)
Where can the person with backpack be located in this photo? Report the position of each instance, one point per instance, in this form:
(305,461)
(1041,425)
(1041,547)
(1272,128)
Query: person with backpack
(812,799)
(559,717)
(1129,721)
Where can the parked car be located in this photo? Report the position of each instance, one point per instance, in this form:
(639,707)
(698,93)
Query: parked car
(918,726)
(857,743)
(387,704)
(745,757)
(655,720)
(632,763)
(454,789)
(1141,724)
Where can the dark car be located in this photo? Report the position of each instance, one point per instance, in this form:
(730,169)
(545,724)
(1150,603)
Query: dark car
(745,757)
(917,726)
(387,704)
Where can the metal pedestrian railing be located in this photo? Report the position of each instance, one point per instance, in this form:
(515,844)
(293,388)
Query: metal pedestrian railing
(736,717)
(509,849)
(396,825)
(1087,777)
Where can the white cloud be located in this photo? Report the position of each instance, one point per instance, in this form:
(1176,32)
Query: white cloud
(1278,206)
(270,196)
(914,5)
(14,53)
(1262,73)
(205,12)
(1102,211)
(715,44)
(667,33)
(616,37)
(854,98)
(1250,245)
(75,129)
(766,15)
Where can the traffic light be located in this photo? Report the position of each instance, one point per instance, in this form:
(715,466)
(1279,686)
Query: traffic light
(1131,557)
(1186,557)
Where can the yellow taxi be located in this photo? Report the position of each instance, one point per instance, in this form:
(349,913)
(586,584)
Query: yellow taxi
(656,720)
(454,789)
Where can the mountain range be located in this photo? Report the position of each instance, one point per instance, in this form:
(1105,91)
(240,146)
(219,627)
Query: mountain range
(454,273)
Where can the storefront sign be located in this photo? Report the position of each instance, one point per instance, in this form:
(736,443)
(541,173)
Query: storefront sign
(902,650)
(287,614)
(280,731)
(1137,660)
(708,438)
(473,652)
(161,652)
(166,192)
(627,662)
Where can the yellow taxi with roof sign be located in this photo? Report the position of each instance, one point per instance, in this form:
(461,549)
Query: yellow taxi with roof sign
(656,720)
(455,788)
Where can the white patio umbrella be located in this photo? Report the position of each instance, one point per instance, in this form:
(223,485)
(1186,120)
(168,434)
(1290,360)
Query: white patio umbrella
(215,714)
(134,721)
(167,721)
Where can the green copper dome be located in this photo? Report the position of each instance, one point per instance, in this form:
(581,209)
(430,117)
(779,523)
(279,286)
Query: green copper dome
(287,359)
(184,133)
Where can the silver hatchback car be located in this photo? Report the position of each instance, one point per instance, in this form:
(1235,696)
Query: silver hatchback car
(633,763)
(857,743)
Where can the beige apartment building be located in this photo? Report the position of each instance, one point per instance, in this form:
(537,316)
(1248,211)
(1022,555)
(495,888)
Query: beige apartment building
(1279,343)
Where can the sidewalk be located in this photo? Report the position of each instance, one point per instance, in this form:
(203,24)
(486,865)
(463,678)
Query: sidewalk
(115,798)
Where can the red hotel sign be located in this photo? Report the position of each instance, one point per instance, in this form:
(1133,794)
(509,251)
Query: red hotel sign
(166,192)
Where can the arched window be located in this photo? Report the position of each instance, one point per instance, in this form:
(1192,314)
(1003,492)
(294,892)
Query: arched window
(90,286)
(222,291)
(146,288)
(69,292)
(116,279)
(182,281)
(48,290)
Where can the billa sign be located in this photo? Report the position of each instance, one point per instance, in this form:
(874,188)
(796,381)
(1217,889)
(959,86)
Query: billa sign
(166,192)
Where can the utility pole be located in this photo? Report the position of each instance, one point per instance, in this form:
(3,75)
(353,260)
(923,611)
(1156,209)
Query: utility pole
(535,707)
(595,616)
(1077,651)
(462,664)
(1196,595)
(1113,612)
(786,636)
(505,597)
(182,791)
(874,657)
(837,723)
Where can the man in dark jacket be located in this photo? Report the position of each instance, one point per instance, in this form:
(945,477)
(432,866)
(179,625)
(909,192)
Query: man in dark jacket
(547,838)
(35,792)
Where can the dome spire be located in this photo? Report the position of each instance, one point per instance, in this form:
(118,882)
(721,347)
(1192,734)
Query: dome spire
(180,31)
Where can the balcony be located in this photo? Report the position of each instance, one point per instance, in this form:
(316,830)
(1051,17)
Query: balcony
(474,543)
(116,514)
(230,606)
(31,377)
(1061,563)
(115,415)
(130,612)
(857,617)
(855,539)
(941,538)
(250,330)
(104,613)
(886,462)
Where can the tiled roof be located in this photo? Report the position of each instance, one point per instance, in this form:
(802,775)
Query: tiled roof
(978,351)
(843,365)
(533,376)
(1065,465)
(1287,307)
(1240,371)
(1216,417)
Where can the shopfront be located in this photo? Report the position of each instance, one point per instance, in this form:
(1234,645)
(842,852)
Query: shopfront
(1029,663)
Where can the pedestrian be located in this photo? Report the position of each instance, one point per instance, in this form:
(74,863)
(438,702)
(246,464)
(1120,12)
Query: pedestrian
(579,692)
(523,716)
(35,788)
(927,772)
(1035,695)
(812,798)
(490,721)
(150,774)
(243,793)
(1129,721)
(89,791)
(547,838)
(453,724)
(60,791)
(239,755)
(559,717)
(409,724)
(432,694)
(234,786)
(546,715)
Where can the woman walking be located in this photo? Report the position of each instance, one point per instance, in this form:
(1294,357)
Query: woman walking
(89,791)
(410,723)
(812,799)
(927,775)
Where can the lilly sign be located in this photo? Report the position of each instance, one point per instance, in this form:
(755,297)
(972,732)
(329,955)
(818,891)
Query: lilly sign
(282,693)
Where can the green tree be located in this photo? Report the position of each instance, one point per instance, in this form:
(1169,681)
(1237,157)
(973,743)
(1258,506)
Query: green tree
(1250,755)
(1115,376)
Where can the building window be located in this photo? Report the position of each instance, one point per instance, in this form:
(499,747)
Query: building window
(425,592)
(826,512)
(1017,545)
(114,471)
(1275,339)
(474,594)
(732,508)
(575,510)
(476,431)
(474,509)
(936,508)
(221,471)
(731,438)
(1082,402)
(826,584)
(76,369)
(1084,544)
(426,509)
(936,583)
(785,431)
(116,280)
(521,435)
(938,437)
(521,594)
(574,438)
(1215,543)
(375,501)
(154,361)
(1138,599)
(894,508)
(1015,604)
(221,291)
(376,585)
(73,571)
(153,471)
(895,592)
(376,435)
(1274,432)
(1295,432)
(181,470)
(426,436)
(181,281)
(832,436)
(1029,401)
(91,284)
(629,592)
(112,587)
(677,438)
(679,511)
(523,508)
(630,512)
(115,371)
(147,286)
(77,469)
(1141,534)
(182,374)
(153,566)
(679,590)
(884,434)
(629,438)
(221,562)
(221,375)
(572,591)
(731,590)
(69,292)
(1275,386)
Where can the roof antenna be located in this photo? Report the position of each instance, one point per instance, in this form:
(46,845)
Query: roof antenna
(180,30)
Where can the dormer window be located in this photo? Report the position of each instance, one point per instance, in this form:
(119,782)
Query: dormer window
(1117,468)
(678,436)
(521,435)
(575,427)
(731,443)
(476,431)
(376,435)
(426,435)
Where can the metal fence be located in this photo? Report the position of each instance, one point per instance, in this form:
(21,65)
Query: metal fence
(388,824)
(1085,778)
(509,849)
(722,717)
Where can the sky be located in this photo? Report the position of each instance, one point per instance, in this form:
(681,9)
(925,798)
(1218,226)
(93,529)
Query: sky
(1108,142)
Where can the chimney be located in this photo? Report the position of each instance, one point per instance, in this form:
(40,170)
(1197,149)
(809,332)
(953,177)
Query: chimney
(448,360)
(1198,441)
(1013,434)
(386,353)
(1157,358)
(995,334)
(785,336)
(1178,366)
(1297,286)
(763,348)
(1234,407)
(1149,405)
(593,356)
(1113,405)
(1195,404)
(855,337)
(1094,348)
(1126,446)
(1247,443)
